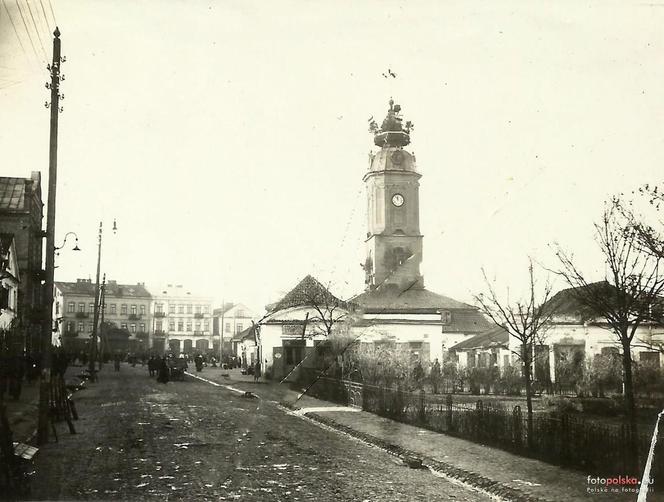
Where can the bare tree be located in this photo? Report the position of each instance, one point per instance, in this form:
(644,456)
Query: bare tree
(632,285)
(525,319)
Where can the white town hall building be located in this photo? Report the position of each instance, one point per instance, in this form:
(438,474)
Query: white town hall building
(395,306)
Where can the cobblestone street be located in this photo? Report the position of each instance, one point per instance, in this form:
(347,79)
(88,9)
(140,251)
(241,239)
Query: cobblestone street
(138,439)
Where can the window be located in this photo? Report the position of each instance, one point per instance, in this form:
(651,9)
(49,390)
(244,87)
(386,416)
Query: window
(158,325)
(198,326)
(206,326)
(71,326)
(159,307)
(132,328)
(181,309)
(171,308)
(228,327)
(445,317)
(71,307)
(113,308)
(180,326)
(171,326)
(238,328)
(206,309)
(189,307)
(198,309)
(123,309)
(80,327)
(142,307)
(57,308)
(90,327)
(141,327)
(81,307)
(123,325)
(133,310)
(189,326)
(91,307)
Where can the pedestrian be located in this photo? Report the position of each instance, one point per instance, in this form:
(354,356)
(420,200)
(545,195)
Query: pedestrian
(257,370)
(163,370)
(418,374)
(116,362)
(435,376)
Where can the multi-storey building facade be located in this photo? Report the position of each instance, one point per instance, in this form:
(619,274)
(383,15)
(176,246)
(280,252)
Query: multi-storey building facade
(9,281)
(127,315)
(228,322)
(21,213)
(182,321)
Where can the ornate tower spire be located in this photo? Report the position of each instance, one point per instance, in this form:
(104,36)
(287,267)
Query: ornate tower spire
(392,132)
(394,242)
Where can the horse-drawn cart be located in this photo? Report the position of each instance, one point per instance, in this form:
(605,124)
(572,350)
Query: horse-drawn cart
(177,367)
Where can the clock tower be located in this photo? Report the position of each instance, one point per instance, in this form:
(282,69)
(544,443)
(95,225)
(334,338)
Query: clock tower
(394,242)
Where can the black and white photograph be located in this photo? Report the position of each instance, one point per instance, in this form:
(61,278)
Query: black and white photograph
(307,250)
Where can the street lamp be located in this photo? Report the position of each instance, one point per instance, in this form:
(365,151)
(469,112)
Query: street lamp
(75,248)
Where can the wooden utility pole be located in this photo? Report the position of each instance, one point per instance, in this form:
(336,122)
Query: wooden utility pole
(103,344)
(47,321)
(95,321)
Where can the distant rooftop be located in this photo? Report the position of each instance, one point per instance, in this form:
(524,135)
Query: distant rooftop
(85,287)
(13,192)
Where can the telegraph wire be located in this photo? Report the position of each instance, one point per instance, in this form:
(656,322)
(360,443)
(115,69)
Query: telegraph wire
(45,18)
(52,13)
(37,30)
(14,26)
(25,25)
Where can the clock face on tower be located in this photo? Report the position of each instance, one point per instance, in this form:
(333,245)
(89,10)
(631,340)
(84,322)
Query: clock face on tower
(397,200)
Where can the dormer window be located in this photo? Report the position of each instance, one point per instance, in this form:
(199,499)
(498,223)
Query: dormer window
(445,317)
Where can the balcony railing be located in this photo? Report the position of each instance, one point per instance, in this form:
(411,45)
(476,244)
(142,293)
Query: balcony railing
(159,332)
(160,314)
(199,315)
(82,315)
(199,333)
(71,333)
(135,317)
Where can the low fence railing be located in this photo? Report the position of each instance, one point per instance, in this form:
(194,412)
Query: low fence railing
(568,441)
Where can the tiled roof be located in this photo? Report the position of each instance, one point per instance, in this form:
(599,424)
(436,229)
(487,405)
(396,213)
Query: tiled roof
(466,321)
(247,333)
(391,299)
(568,303)
(12,193)
(86,288)
(308,292)
(493,337)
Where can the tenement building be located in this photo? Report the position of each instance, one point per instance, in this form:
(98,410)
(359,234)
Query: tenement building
(182,321)
(124,325)
(21,212)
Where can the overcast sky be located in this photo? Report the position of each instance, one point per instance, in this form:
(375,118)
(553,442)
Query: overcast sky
(229,139)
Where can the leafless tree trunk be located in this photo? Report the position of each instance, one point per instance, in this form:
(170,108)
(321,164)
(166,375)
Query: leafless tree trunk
(525,320)
(632,285)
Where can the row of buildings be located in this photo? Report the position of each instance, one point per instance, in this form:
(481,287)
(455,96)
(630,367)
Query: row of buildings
(135,319)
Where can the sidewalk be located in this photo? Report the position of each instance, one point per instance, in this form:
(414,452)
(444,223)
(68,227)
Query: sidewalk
(23,413)
(496,471)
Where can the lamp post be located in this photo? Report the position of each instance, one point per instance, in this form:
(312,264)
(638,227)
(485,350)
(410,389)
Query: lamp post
(95,321)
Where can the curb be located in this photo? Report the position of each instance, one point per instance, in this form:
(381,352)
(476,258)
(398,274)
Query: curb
(469,478)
